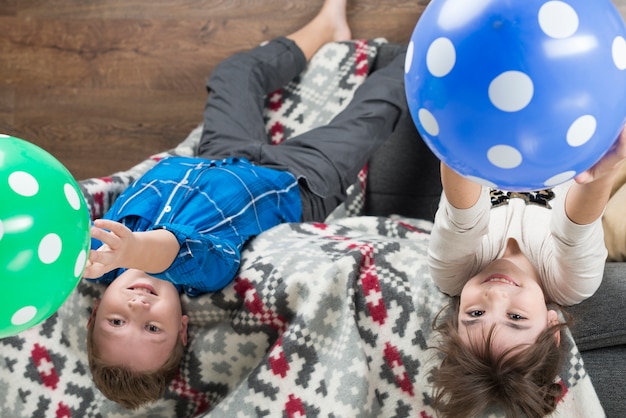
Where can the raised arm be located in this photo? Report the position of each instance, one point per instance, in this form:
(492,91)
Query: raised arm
(150,251)
(587,198)
(460,192)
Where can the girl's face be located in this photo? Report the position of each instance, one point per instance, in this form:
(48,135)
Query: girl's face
(506,294)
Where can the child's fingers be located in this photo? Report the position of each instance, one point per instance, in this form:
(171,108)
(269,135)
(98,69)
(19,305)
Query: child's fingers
(115,227)
(101,260)
(108,238)
(92,268)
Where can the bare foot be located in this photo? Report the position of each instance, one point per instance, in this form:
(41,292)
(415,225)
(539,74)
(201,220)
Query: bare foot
(329,25)
(333,13)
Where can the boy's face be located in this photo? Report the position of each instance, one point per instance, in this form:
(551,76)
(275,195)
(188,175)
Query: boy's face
(138,322)
(506,293)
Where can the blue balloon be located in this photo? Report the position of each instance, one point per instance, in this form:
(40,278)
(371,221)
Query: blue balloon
(518,95)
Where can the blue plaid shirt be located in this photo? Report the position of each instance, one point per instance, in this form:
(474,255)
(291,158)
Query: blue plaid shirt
(212,207)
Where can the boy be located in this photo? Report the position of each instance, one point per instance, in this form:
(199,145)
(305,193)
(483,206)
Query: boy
(182,225)
(505,258)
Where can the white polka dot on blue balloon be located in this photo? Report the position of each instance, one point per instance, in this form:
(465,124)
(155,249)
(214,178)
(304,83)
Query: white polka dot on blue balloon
(559,178)
(619,52)
(504,156)
(558,19)
(581,131)
(50,248)
(511,91)
(23,315)
(428,122)
(408,59)
(441,57)
(23,183)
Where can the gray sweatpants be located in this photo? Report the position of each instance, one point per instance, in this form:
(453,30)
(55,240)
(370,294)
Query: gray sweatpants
(326,160)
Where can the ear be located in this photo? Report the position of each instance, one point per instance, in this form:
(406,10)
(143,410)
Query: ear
(184,321)
(92,317)
(553,319)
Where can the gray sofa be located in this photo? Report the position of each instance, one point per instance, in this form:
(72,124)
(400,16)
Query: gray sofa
(404,180)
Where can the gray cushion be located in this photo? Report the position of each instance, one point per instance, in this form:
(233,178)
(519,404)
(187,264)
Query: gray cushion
(600,321)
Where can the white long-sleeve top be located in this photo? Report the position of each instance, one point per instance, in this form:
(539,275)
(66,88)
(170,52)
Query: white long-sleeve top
(569,257)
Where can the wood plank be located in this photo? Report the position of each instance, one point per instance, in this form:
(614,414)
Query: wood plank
(168,54)
(140,53)
(8,7)
(160,9)
(7,108)
(294,12)
(94,132)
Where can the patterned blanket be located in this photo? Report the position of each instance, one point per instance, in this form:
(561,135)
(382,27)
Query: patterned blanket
(323,320)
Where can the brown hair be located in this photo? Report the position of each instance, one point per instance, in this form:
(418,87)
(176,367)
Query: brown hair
(130,388)
(472,377)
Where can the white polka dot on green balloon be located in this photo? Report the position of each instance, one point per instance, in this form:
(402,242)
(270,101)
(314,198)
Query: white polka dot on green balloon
(581,131)
(441,57)
(72,196)
(619,52)
(50,248)
(80,263)
(511,91)
(1,229)
(558,19)
(23,315)
(504,156)
(23,183)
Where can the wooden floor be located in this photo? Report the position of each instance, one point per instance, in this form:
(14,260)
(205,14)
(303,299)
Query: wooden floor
(102,84)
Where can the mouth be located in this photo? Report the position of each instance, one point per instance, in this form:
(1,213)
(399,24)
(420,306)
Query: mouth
(499,278)
(143,289)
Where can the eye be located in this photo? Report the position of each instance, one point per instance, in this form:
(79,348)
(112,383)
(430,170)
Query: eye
(116,322)
(476,313)
(153,328)
(516,317)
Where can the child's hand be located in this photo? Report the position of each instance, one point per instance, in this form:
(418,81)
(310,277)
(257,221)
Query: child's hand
(115,251)
(609,163)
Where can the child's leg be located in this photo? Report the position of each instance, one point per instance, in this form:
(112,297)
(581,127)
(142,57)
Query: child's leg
(329,157)
(233,115)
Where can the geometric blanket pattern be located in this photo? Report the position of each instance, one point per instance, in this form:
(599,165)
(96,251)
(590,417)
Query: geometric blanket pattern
(323,320)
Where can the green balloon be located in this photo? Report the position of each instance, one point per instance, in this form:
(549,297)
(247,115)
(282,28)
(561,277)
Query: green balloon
(44,235)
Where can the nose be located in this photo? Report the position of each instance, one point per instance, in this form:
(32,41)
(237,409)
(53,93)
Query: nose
(496,293)
(138,303)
